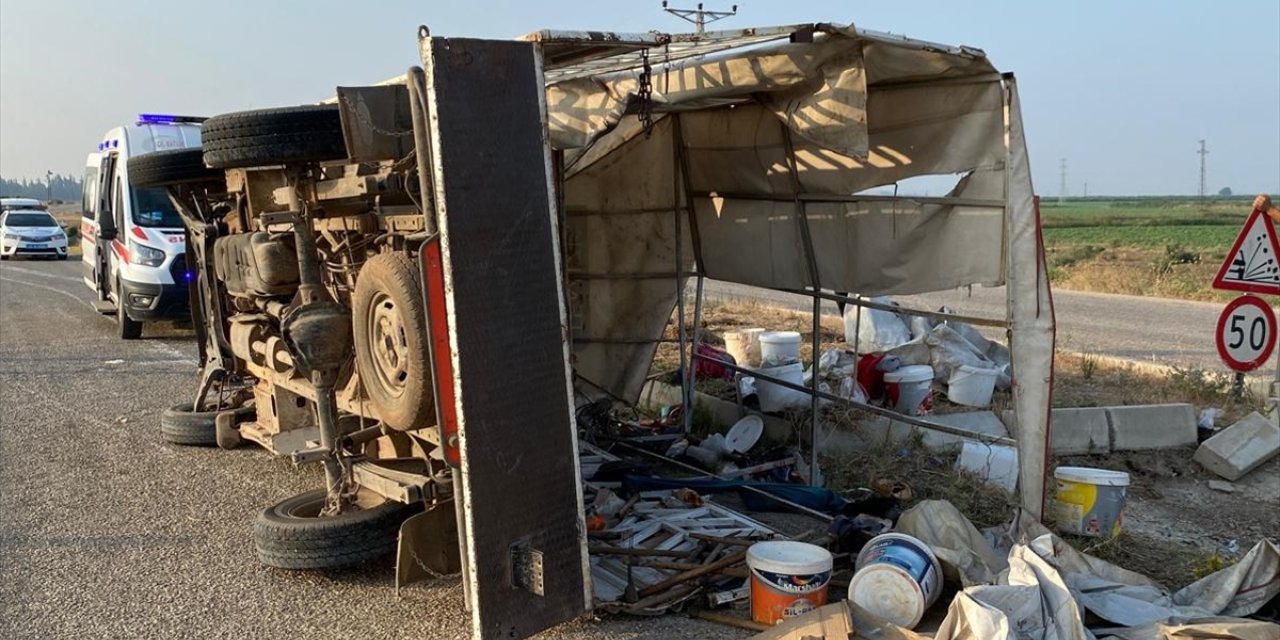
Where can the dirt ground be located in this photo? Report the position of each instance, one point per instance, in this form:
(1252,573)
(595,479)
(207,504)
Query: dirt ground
(1176,528)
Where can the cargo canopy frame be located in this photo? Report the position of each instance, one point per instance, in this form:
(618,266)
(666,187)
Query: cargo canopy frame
(745,156)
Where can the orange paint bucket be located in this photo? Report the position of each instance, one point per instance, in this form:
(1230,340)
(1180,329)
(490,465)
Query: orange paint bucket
(788,579)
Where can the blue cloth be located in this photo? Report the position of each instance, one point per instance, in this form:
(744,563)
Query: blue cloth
(815,498)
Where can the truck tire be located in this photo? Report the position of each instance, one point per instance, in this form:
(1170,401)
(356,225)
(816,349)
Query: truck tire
(287,135)
(172,166)
(180,425)
(293,535)
(127,328)
(390,331)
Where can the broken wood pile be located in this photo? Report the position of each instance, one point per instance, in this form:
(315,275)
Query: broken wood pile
(658,550)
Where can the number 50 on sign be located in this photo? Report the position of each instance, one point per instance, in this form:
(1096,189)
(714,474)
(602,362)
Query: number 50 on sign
(1246,333)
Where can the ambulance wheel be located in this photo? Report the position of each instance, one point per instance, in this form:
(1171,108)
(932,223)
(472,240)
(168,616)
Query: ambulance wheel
(170,167)
(293,534)
(126,327)
(287,135)
(389,327)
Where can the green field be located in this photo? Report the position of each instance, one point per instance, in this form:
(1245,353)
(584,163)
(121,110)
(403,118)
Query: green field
(1210,238)
(1145,246)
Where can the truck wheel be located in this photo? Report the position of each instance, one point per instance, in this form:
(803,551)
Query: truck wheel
(389,318)
(128,328)
(179,424)
(293,535)
(288,135)
(172,166)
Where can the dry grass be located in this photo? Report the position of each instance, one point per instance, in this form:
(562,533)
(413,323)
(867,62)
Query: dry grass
(931,476)
(1087,380)
(1136,271)
(1171,564)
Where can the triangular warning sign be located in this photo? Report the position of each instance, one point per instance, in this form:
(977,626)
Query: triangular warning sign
(1253,264)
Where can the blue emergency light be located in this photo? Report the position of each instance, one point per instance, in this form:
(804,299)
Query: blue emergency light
(160,118)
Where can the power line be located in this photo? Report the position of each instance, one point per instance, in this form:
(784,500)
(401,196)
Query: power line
(699,17)
(1203,182)
(1062,187)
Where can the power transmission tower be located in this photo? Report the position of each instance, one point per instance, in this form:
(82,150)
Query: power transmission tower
(1203,152)
(698,16)
(1062,187)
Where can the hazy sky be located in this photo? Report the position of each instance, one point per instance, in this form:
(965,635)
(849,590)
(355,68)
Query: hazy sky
(1122,90)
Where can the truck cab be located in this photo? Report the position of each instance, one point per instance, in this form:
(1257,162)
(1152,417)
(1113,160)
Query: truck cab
(133,241)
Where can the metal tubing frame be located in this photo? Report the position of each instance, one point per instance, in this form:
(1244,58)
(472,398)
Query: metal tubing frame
(832,199)
(681,183)
(934,315)
(815,282)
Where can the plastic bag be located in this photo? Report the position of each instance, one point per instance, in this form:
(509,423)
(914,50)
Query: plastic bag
(874,330)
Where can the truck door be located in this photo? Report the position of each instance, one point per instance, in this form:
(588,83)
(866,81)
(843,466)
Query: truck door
(499,343)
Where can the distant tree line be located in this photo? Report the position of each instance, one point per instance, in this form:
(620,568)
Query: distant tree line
(59,187)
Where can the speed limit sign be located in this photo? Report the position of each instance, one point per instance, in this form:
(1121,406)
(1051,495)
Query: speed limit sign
(1246,333)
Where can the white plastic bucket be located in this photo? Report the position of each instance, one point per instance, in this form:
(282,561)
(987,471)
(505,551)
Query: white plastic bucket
(779,348)
(897,579)
(775,397)
(910,389)
(972,386)
(788,579)
(744,346)
(1089,502)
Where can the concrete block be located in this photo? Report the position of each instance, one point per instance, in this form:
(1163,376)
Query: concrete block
(1155,426)
(1080,431)
(1241,447)
(1076,431)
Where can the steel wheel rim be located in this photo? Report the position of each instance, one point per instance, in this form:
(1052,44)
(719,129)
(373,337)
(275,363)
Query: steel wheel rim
(388,344)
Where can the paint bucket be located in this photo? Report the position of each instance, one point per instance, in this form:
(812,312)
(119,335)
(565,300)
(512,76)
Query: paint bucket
(1089,502)
(779,348)
(744,346)
(897,579)
(788,579)
(972,386)
(910,389)
(775,397)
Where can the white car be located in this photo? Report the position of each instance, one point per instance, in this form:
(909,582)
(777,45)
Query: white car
(30,232)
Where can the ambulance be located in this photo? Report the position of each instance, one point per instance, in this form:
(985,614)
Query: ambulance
(134,245)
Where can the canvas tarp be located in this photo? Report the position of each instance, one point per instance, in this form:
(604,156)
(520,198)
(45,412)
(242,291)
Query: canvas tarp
(1022,582)
(767,147)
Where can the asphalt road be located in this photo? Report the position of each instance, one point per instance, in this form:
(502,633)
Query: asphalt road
(108,532)
(1153,330)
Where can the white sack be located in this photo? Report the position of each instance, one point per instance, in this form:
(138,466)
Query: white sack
(874,330)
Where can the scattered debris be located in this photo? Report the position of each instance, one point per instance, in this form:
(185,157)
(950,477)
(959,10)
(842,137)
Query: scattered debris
(1223,486)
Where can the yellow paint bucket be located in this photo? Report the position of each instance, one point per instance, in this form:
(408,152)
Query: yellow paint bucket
(1089,502)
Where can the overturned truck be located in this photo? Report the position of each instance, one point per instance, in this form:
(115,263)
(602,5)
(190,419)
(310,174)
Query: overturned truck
(413,284)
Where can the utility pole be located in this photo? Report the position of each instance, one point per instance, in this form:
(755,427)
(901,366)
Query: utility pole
(1203,152)
(1062,187)
(1086,189)
(698,16)
(48,186)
